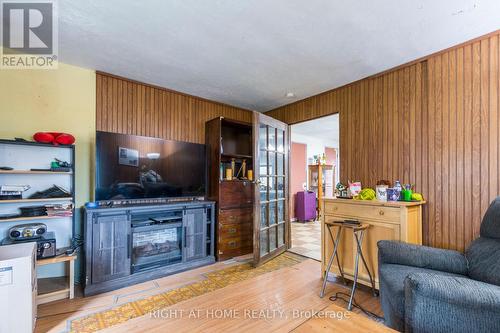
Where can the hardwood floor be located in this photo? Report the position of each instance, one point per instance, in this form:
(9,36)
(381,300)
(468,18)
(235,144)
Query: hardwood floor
(278,301)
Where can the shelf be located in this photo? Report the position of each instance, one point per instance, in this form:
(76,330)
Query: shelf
(36,200)
(15,219)
(55,260)
(29,172)
(237,156)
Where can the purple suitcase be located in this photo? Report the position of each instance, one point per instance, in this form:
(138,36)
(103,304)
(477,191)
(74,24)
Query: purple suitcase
(305,206)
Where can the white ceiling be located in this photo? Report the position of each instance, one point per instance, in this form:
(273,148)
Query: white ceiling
(324,129)
(251,53)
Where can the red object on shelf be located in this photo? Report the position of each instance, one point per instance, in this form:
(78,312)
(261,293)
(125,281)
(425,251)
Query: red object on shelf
(56,138)
(43,137)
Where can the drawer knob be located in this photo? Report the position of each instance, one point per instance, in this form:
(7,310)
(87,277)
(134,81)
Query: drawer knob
(381,212)
(232,245)
(231,231)
(335,208)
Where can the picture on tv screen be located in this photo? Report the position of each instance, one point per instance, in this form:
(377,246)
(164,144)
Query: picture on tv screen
(138,167)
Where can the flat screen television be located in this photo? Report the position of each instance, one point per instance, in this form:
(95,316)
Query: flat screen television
(138,167)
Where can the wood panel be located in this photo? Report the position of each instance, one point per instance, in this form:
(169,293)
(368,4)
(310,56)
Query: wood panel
(434,123)
(130,107)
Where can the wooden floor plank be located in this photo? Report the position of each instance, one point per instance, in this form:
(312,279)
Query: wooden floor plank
(278,301)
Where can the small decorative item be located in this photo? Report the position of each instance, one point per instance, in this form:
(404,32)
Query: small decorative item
(354,188)
(382,192)
(242,170)
(233,166)
(366,194)
(406,194)
(397,187)
(393,194)
(250,174)
(229,174)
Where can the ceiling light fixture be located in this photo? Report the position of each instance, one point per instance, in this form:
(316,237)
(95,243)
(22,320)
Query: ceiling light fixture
(290,95)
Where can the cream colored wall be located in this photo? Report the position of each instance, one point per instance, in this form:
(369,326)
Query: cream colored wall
(60,100)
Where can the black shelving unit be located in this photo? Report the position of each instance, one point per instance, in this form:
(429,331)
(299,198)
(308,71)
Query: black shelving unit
(25,172)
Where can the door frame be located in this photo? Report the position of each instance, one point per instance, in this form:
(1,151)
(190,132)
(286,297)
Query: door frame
(270,121)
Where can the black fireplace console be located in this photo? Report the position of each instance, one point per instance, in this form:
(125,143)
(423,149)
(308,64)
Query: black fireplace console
(132,244)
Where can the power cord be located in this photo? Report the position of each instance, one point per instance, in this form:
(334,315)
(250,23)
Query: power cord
(76,244)
(338,295)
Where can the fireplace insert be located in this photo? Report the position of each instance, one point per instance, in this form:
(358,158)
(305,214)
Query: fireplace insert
(156,242)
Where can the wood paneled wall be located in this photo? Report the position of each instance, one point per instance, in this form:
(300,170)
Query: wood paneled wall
(434,123)
(130,107)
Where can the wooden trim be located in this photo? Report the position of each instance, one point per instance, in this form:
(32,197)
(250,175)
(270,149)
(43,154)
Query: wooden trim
(393,69)
(169,90)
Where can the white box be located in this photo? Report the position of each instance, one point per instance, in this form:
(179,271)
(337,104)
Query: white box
(18,287)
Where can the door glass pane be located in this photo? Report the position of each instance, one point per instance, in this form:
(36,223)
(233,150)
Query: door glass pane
(264,245)
(262,136)
(263,188)
(281,141)
(263,162)
(281,164)
(281,210)
(271,145)
(272,239)
(272,213)
(280,187)
(272,188)
(263,215)
(272,163)
(281,234)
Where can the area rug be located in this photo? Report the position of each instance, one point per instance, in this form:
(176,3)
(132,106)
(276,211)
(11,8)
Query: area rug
(212,281)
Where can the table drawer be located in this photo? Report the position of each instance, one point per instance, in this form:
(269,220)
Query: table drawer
(391,214)
(236,243)
(227,231)
(236,216)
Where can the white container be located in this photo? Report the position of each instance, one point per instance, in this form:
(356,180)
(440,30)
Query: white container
(381,192)
(18,288)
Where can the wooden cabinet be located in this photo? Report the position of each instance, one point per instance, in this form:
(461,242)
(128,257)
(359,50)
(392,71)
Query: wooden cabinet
(110,247)
(132,244)
(399,221)
(231,141)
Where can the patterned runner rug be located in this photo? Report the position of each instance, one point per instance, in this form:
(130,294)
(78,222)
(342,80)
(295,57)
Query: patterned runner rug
(212,281)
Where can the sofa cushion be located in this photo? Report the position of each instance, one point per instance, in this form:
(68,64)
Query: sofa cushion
(392,278)
(484,260)
(490,226)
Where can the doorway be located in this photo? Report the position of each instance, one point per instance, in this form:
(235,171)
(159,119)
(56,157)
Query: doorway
(314,172)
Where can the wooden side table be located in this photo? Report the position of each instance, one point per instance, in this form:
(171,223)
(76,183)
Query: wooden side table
(358,233)
(69,291)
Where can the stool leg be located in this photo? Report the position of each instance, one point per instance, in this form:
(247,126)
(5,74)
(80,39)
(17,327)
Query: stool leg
(334,253)
(340,269)
(356,267)
(360,249)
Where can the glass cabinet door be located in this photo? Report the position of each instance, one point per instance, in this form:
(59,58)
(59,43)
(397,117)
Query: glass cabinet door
(271,222)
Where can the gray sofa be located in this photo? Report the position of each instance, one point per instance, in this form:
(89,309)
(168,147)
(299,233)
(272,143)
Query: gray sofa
(424,289)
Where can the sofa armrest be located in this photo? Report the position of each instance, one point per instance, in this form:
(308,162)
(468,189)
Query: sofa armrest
(440,303)
(392,252)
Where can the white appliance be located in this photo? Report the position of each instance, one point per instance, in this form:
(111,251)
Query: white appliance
(18,287)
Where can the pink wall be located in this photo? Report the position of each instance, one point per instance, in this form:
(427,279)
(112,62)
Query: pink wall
(331,158)
(298,173)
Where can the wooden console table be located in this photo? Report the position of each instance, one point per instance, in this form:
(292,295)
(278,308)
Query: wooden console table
(69,290)
(401,221)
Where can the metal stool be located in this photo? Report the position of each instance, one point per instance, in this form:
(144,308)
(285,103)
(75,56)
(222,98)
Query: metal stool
(358,232)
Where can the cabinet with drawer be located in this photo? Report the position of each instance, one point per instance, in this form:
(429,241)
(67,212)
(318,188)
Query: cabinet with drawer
(401,221)
(234,232)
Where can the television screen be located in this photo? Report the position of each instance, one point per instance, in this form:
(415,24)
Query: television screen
(137,167)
